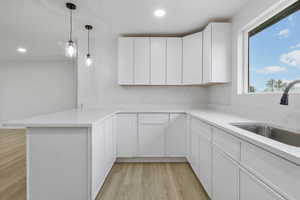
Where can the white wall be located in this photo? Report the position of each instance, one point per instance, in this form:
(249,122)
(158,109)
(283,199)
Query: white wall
(30,88)
(98,85)
(259,107)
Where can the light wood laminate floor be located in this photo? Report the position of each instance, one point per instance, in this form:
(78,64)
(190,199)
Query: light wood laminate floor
(152,181)
(12,164)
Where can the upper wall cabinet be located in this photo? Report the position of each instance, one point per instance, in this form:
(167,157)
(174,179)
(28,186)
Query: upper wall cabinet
(142,61)
(192,58)
(200,58)
(217,53)
(134,61)
(174,61)
(158,61)
(125,60)
(150,61)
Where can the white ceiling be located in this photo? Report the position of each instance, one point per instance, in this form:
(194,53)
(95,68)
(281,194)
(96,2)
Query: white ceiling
(42,25)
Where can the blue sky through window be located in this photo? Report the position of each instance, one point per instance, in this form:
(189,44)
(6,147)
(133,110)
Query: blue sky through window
(274,53)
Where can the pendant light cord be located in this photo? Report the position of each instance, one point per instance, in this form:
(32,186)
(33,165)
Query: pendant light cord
(71,25)
(88,41)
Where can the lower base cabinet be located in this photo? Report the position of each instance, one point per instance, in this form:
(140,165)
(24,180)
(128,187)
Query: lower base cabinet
(151,140)
(103,152)
(223,163)
(225,177)
(176,136)
(205,164)
(151,135)
(98,157)
(200,153)
(127,135)
(194,151)
(251,188)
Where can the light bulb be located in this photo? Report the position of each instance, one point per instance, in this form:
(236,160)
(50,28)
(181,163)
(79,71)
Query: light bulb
(159,13)
(70,49)
(88,60)
(22,50)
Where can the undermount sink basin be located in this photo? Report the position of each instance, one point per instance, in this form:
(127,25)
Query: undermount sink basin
(280,135)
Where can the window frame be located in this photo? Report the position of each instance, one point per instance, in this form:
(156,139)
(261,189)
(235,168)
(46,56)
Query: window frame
(260,23)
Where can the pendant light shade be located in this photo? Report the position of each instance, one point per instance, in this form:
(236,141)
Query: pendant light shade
(88,59)
(70,49)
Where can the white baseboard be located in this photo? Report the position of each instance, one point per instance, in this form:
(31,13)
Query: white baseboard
(152,160)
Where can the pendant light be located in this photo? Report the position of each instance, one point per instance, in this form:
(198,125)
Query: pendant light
(71,46)
(88,59)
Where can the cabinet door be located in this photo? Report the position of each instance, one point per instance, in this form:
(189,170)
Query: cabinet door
(98,158)
(225,177)
(142,61)
(158,61)
(125,61)
(221,52)
(192,59)
(217,53)
(207,54)
(194,142)
(151,139)
(174,61)
(127,135)
(176,135)
(205,163)
(251,188)
(189,133)
(109,142)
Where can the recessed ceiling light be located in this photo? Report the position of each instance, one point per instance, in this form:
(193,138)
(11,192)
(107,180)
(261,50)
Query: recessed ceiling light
(159,13)
(22,50)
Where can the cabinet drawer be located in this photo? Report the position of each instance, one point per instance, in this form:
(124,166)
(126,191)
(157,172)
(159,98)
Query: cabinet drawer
(280,174)
(228,143)
(252,188)
(155,118)
(201,128)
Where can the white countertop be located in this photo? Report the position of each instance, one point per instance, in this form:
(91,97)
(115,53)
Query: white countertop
(69,118)
(86,118)
(76,117)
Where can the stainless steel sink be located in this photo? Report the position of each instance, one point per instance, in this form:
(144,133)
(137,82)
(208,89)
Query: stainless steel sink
(274,133)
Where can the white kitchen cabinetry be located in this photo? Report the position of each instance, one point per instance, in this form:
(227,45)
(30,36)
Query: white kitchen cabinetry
(251,188)
(201,152)
(158,61)
(194,148)
(176,136)
(142,61)
(196,59)
(174,61)
(230,168)
(225,177)
(217,53)
(103,152)
(152,134)
(125,60)
(99,163)
(110,144)
(69,162)
(274,170)
(127,135)
(205,163)
(192,58)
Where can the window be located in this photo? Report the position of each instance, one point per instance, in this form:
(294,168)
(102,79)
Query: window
(274,52)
